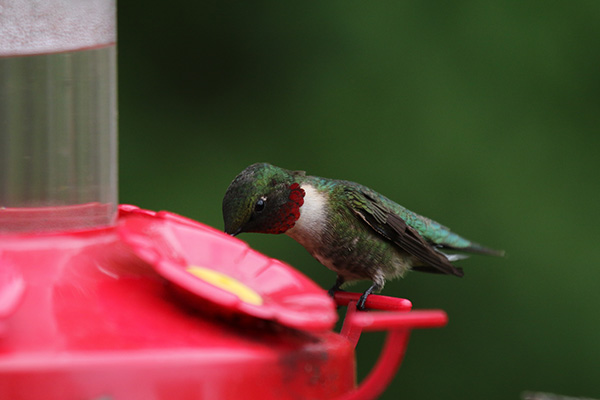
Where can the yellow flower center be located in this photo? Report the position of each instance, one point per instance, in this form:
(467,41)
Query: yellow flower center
(227,283)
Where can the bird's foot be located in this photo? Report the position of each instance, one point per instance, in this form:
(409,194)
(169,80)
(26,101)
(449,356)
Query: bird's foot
(336,287)
(360,305)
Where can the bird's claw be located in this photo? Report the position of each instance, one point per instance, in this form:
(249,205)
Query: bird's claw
(360,305)
(336,287)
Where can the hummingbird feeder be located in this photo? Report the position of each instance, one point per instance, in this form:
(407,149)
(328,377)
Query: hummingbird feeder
(100,301)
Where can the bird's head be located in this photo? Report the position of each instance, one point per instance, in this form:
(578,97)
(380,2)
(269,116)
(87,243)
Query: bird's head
(262,198)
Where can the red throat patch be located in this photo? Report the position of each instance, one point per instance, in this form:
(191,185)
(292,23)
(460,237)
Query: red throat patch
(290,212)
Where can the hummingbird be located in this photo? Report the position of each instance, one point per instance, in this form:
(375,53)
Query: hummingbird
(350,229)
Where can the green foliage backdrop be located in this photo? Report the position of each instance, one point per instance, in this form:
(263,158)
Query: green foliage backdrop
(481,115)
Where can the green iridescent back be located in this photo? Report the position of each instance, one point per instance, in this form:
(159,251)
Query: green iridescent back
(432,231)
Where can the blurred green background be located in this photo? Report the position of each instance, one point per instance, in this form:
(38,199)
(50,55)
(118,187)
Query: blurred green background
(481,115)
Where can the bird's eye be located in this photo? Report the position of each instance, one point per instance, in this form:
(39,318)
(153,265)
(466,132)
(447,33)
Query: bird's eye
(260,204)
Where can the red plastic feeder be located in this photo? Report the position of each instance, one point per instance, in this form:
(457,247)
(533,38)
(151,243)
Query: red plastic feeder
(142,305)
(162,307)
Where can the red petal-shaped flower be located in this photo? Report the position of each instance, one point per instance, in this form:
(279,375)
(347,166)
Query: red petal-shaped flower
(216,269)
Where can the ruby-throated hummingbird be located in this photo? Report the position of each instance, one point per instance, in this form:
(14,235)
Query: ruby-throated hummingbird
(347,227)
